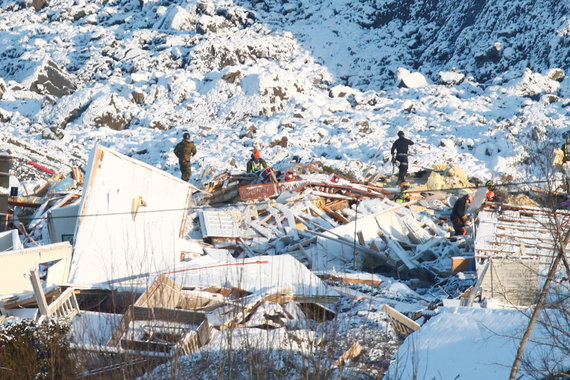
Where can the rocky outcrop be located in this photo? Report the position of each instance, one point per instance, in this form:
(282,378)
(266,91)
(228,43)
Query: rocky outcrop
(50,79)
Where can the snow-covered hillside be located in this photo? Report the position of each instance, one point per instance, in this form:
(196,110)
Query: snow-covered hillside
(317,79)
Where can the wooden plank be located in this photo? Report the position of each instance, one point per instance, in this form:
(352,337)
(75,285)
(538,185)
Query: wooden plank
(353,352)
(338,205)
(402,324)
(162,292)
(321,214)
(131,344)
(302,243)
(277,218)
(31,300)
(351,278)
(400,252)
(290,219)
(200,300)
(121,329)
(39,293)
(189,317)
(338,217)
(265,232)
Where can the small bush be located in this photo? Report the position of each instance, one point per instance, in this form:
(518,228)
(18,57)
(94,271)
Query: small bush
(30,350)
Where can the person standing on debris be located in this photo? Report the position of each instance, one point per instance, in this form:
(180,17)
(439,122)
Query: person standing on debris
(566,151)
(491,196)
(256,163)
(458,214)
(399,153)
(404,196)
(185,150)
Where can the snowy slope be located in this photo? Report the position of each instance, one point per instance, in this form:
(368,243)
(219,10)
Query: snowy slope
(317,79)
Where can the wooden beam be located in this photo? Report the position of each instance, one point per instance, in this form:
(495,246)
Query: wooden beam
(131,344)
(188,317)
(39,292)
(402,324)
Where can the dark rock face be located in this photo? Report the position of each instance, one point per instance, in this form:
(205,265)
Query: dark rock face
(53,81)
(472,34)
(480,38)
(3,88)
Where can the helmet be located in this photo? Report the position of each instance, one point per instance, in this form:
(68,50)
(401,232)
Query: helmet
(256,154)
(401,133)
(405,185)
(186,135)
(469,198)
(489,183)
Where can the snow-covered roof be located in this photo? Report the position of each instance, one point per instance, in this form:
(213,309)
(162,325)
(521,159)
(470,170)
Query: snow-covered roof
(511,230)
(260,274)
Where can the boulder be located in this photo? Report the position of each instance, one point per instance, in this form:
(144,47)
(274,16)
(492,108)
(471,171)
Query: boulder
(38,4)
(5,115)
(3,88)
(556,74)
(409,79)
(176,18)
(450,78)
(50,79)
(138,96)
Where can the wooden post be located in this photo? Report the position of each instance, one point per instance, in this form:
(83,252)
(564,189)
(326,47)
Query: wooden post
(39,292)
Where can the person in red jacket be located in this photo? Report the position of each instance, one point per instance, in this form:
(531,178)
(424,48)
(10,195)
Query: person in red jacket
(490,196)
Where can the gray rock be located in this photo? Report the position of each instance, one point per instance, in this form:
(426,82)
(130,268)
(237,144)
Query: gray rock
(38,4)
(138,96)
(3,88)
(53,81)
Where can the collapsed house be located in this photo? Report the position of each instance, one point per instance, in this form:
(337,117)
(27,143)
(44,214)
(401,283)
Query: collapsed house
(146,275)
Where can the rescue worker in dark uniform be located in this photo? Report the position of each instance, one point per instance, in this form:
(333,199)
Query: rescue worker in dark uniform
(256,163)
(566,151)
(185,150)
(458,217)
(399,153)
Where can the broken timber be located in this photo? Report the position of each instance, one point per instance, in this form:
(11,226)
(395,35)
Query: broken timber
(402,324)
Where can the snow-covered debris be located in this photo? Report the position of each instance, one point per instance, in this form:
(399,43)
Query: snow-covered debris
(534,84)
(450,77)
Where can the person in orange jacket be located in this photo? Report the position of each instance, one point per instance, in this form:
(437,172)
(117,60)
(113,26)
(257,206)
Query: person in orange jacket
(256,163)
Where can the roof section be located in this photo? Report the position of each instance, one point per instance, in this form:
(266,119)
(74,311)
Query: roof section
(509,230)
(132,216)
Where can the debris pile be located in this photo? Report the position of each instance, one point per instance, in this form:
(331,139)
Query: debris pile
(166,270)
